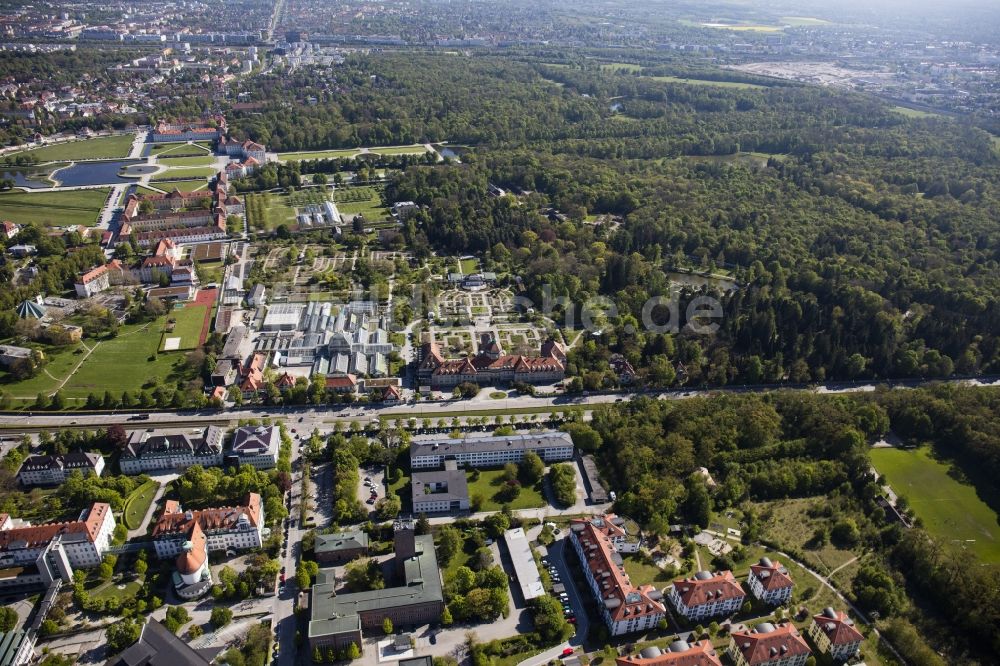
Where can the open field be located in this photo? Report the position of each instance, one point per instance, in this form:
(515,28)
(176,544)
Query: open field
(137,504)
(366,201)
(914,113)
(53,208)
(706,82)
(104,147)
(416,149)
(621,66)
(128,362)
(469,265)
(202,161)
(790,526)
(189,321)
(950,510)
(490,483)
(277,210)
(318,155)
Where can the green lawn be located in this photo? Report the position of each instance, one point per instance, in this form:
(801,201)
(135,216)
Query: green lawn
(416,149)
(705,82)
(188,323)
(204,161)
(137,504)
(950,509)
(641,572)
(105,147)
(59,362)
(366,201)
(318,155)
(111,591)
(914,113)
(53,208)
(180,150)
(489,485)
(182,185)
(125,363)
(469,266)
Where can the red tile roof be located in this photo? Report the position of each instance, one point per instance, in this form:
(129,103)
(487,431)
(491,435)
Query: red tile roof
(767,642)
(39,535)
(839,628)
(622,599)
(771,577)
(174,521)
(679,653)
(190,561)
(696,591)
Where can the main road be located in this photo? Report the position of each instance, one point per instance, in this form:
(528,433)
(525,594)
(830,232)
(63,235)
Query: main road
(13,423)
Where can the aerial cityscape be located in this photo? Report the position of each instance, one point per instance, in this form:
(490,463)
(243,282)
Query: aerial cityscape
(500,333)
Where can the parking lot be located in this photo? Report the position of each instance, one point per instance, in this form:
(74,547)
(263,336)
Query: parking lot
(369,492)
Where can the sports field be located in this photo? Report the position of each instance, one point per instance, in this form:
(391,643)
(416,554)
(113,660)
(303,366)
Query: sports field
(53,208)
(104,147)
(949,509)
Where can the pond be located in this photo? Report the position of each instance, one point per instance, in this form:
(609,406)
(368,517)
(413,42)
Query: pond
(94,173)
(29,176)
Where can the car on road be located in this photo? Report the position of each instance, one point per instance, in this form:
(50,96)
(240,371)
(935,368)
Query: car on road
(566,652)
(370,500)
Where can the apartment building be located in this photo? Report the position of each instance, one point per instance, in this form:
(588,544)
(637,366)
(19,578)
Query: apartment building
(496,451)
(833,633)
(769,582)
(768,645)
(706,595)
(624,607)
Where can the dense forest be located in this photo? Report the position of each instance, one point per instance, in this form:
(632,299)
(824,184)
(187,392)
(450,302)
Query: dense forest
(782,445)
(864,244)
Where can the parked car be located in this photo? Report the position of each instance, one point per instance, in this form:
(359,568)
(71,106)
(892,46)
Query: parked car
(566,652)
